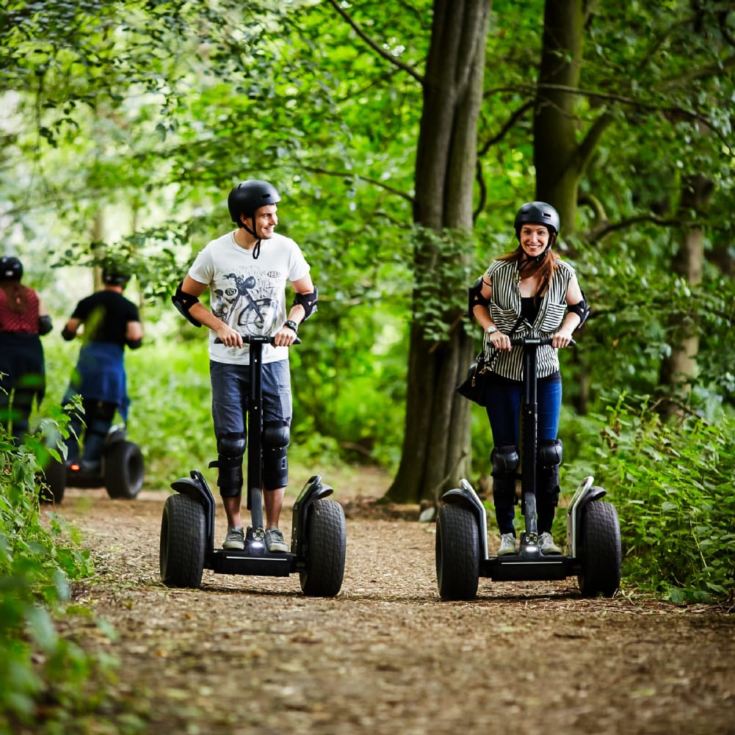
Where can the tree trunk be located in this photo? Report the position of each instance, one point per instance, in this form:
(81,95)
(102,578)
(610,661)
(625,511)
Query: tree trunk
(555,125)
(436,439)
(679,369)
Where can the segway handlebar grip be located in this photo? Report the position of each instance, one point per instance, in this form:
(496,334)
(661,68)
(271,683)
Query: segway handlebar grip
(538,341)
(251,340)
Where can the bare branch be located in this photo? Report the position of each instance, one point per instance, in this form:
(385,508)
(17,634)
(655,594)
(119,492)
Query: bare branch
(605,228)
(587,147)
(351,175)
(483,191)
(631,101)
(374,46)
(509,123)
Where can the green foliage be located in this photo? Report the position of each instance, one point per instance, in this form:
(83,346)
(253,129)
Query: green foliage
(672,484)
(45,679)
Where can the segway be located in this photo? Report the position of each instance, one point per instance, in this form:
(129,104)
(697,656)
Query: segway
(121,470)
(593,531)
(318,537)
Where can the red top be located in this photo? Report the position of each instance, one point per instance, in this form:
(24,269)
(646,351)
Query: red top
(18,309)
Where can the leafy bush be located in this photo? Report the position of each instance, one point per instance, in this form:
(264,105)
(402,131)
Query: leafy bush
(672,484)
(42,674)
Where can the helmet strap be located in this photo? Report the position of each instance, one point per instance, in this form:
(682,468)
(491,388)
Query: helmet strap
(253,232)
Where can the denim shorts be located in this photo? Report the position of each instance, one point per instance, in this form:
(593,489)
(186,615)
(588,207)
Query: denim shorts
(231,393)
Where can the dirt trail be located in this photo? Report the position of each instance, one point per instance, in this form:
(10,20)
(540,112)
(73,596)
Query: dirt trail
(247,654)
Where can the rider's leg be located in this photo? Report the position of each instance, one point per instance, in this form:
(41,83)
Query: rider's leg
(98,416)
(549,453)
(503,409)
(229,396)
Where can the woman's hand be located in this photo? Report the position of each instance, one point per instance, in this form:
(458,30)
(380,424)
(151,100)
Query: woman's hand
(562,338)
(500,341)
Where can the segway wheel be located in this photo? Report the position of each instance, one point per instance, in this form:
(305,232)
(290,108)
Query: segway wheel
(124,470)
(326,544)
(457,553)
(183,537)
(54,477)
(601,553)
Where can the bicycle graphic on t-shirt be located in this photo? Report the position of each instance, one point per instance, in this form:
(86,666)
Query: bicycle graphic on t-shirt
(258,314)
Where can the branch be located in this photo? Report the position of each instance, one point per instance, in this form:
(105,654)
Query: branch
(692,114)
(603,230)
(350,175)
(508,125)
(595,204)
(483,191)
(374,46)
(703,72)
(587,147)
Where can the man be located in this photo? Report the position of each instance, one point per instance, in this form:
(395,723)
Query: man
(246,272)
(110,322)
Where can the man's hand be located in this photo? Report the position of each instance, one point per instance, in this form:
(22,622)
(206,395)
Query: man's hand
(284,337)
(228,336)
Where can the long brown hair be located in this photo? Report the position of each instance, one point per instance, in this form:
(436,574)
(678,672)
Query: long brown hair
(16,295)
(528,267)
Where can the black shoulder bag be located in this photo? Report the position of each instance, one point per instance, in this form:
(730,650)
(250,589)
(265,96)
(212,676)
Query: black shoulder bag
(473,387)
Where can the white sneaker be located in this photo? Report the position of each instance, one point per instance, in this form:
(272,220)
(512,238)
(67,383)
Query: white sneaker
(507,544)
(274,541)
(547,545)
(235,539)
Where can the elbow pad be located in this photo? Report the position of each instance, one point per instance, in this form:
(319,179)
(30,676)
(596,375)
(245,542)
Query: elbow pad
(133,343)
(44,324)
(581,309)
(68,334)
(475,298)
(307,301)
(183,302)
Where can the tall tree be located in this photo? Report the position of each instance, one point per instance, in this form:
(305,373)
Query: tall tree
(437,429)
(559,157)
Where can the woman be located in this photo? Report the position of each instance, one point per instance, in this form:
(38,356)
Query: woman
(22,374)
(529,292)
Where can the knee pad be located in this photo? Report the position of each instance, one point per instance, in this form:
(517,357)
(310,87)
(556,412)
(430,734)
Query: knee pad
(549,459)
(549,453)
(505,460)
(276,437)
(230,450)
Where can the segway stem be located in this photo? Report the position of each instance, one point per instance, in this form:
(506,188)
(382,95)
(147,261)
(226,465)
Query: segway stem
(255,432)
(529,439)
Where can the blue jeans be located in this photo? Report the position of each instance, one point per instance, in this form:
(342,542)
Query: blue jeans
(230,398)
(504,398)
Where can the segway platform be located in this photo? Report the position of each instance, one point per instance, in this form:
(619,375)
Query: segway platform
(318,535)
(121,471)
(593,532)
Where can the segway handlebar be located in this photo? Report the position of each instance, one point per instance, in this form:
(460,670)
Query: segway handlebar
(534,341)
(249,339)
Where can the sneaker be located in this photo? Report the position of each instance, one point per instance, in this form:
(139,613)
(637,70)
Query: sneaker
(507,544)
(274,540)
(235,539)
(547,545)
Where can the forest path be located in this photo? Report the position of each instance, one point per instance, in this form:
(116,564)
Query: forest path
(247,654)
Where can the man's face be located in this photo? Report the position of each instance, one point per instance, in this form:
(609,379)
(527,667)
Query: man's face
(266,219)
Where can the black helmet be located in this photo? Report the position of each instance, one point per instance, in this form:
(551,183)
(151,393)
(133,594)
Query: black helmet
(537,213)
(248,196)
(112,276)
(11,269)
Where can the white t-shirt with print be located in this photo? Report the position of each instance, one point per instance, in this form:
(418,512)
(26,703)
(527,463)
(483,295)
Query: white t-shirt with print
(246,293)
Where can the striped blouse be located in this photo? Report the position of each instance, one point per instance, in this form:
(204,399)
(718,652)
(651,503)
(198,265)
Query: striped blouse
(505,310)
